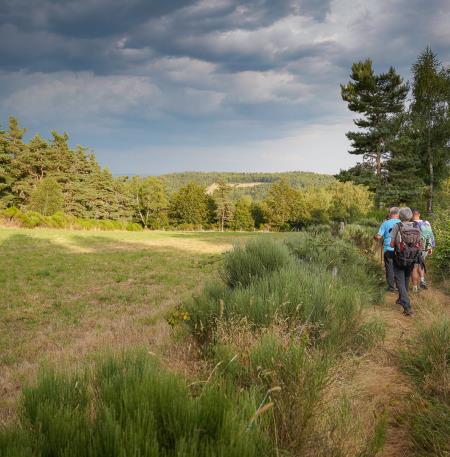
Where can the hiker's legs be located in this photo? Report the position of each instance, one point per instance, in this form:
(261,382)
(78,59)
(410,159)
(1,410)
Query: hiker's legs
(389,267)
(402,277)
(415,276)
(422,268)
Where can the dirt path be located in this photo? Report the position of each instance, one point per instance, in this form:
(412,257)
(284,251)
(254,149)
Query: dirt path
(380,376)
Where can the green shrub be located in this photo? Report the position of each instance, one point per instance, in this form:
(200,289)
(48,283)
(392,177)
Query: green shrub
(10,213)
(317,229)
(31,219)
(440,260)
(281,366)
(254,260)
(361,236)
(427,360)
(299,293)
(129,406)
(133,227)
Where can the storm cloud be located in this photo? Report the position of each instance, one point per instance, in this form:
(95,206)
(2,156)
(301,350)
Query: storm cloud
(158,85)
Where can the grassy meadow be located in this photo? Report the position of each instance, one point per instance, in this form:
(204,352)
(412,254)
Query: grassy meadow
(67,294)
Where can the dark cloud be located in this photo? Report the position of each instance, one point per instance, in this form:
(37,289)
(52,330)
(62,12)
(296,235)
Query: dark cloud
(224,70)
(85,18)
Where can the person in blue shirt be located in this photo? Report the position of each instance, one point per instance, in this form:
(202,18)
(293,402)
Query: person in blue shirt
(385,233)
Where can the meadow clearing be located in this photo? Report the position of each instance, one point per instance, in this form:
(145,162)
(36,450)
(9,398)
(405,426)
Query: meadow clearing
(289,348)
(67,294)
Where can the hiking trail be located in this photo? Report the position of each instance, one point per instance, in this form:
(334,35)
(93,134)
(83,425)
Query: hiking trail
(380,377)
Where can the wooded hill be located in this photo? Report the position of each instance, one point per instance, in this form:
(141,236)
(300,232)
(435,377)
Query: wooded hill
(255,185)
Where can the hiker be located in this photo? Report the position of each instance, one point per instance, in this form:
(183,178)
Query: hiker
(388,251)
(428,244)
(405,239)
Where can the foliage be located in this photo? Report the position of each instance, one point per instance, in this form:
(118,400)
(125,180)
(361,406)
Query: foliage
(150,202)
(138,409)
(190,206)
(297,179)
(430,117)
(349,201)
(407,145)
(270,284)
(243,218)
(33,219)
(427,360)
(379,99)
(440,259)
(47,198)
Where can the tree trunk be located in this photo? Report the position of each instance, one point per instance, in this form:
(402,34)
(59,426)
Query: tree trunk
(430,170)
(430,197)
(378,162)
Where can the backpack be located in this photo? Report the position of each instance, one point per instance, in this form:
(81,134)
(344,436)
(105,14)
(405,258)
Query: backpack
(426,233)
(408,245)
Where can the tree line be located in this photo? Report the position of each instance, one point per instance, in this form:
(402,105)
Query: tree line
(46,176)
(403,131)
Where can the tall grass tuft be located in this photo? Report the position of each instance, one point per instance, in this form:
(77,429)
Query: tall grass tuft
(129,406)
(256,259)
(427,362)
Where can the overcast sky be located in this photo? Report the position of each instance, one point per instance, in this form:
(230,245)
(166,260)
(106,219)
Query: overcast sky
(154,86)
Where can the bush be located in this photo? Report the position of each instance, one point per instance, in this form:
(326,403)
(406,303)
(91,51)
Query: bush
(129,406)
(280,365)
(276,286)
(32,219)
(440,260)
(427,360)
(257,258)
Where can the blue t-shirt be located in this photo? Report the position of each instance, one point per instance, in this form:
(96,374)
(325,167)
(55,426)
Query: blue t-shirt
(385,232)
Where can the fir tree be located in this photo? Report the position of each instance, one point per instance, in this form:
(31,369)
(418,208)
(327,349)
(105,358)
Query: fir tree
(430,118)
(378,99)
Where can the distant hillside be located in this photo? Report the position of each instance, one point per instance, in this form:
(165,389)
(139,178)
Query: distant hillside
(252,184)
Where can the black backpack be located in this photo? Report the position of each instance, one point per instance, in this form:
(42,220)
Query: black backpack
(408,246)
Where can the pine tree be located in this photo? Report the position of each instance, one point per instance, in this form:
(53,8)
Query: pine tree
(378,99)
(404,182)
(430,117)
(6,176)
